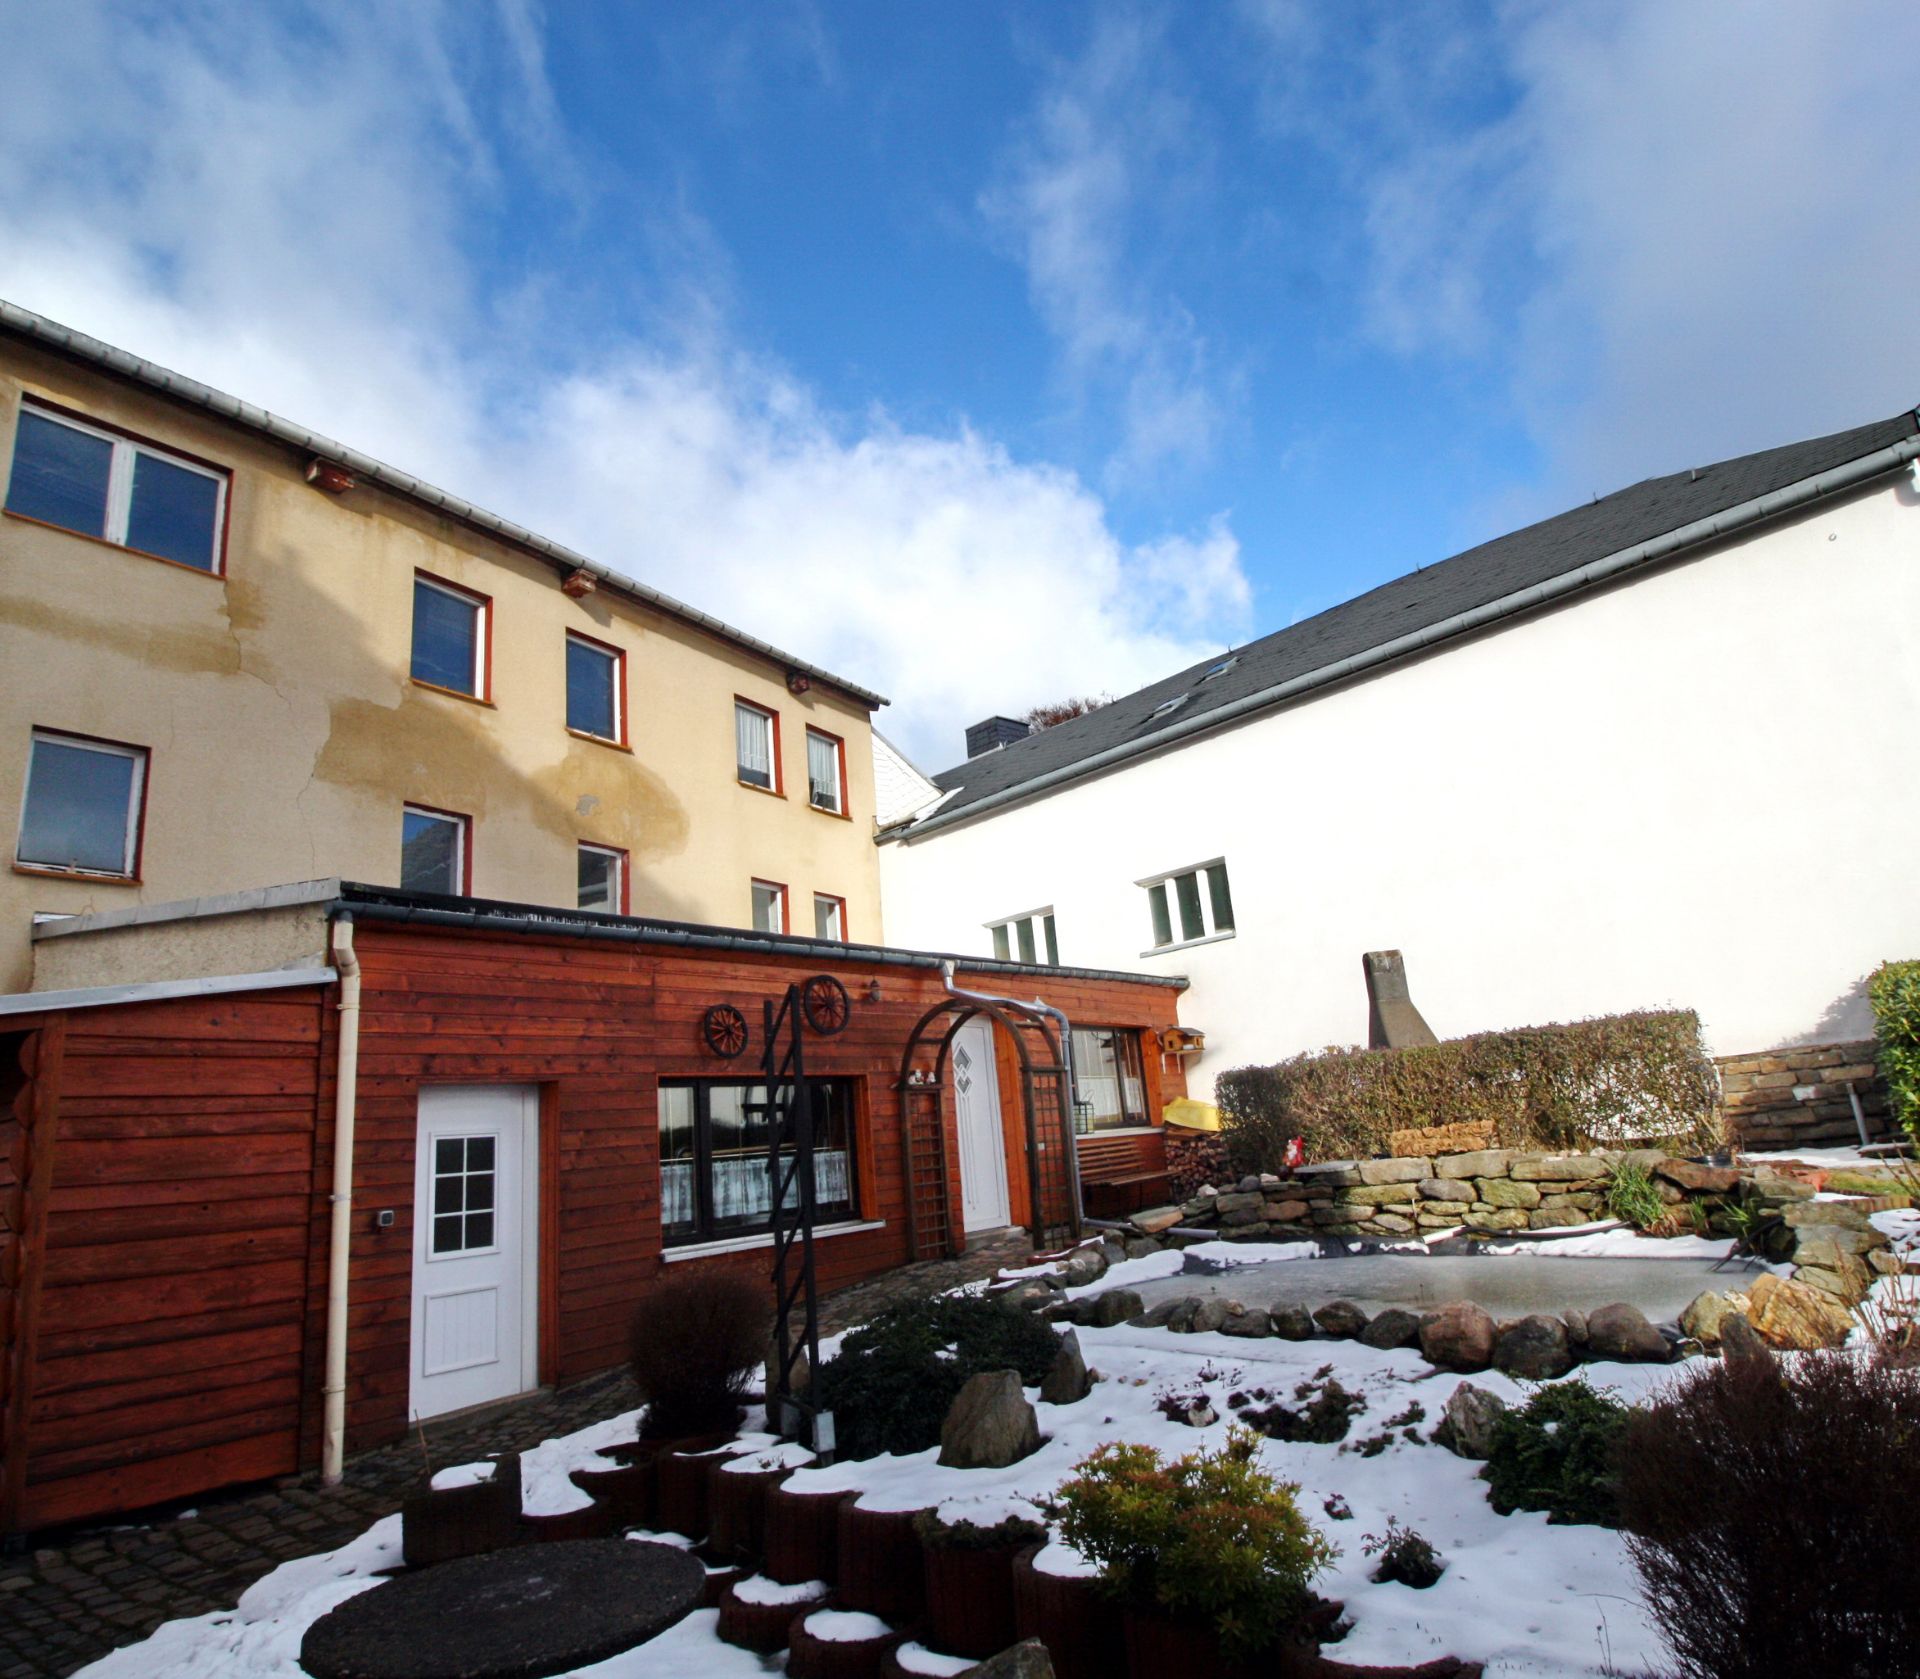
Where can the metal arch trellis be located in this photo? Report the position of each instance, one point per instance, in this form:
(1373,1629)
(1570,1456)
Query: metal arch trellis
(1046,1109)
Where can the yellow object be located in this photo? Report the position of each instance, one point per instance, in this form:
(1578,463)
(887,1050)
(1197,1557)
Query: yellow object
(1194,1116)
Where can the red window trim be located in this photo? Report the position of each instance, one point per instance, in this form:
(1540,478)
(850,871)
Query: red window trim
(845,813)
(779,788)
(830,898)
(786,908)
(466,837)
(619,655)
(145,755)
(485,603)
(33,399)
(626,863)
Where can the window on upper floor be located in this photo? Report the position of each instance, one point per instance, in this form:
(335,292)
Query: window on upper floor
(603,879)
(715,1140)
(826,772)
(769,906)
(596,689)
(451,630)
(436,851)
(101,483)
(1190,905)
(83,806)
(756,740)
(829,917)
(1107,1071)
(1026,938)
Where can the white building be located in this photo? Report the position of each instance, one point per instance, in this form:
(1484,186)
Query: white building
(1661,750)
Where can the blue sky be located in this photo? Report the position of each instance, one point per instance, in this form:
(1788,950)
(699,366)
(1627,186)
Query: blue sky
(991,352)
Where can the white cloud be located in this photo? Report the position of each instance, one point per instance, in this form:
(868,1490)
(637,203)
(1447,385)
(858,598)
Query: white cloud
(280,211)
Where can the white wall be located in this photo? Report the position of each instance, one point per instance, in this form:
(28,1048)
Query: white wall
(899,788)
(1699,790)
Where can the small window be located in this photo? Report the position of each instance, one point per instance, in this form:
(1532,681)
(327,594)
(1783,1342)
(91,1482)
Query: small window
(756,736)
(95,482)
(464,1182)
(82,807)
(1107,1073)
(434,851)
(1024,938)
(829,917)
(1166,708)
(769,907)
(1191,905)
(596,683)
(449,637)
(603,879)
(715,1144)
(1222,667)
(826,772)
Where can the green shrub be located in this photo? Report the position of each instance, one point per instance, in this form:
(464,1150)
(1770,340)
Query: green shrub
(1405,1556)
(1558,1453)
(1632,1195)
(1210,1537)
(1009,1533)
(1894,991)
(1592,1084)
(893,1379)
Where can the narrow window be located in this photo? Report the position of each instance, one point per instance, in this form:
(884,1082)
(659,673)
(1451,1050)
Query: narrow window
(769,907)
(756,741)
(1190,905)
(449,637)
(1022,938)
(595,680)
(83,805)
(1107,1070)
(603,879)
(826,772)
(87,479)
(829,917)
(434,851)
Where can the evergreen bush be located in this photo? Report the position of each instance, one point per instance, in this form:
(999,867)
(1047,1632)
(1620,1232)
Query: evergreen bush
(1558,1453)
(1894,991)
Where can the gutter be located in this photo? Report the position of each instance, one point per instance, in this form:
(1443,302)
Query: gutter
(340,1236)
(1604,570)
(196,395)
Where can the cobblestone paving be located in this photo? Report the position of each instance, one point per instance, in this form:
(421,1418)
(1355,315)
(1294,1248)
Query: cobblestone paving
(77,1594)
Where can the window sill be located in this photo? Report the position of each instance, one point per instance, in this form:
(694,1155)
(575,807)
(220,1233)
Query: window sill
(823,810)
(1115,1131)
(744,1244)
(452,693)
(1186,944)
(92,876)
(600,740)
(755,787)
(119,547)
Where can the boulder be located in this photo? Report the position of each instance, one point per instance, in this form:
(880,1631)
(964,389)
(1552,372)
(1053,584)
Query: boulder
(1291,1321)
(1200,1206)
(1576,1322)
(1114,1306)
(1740,1342)
(1847,1279)
(1536,1349)
(1443,1189)
(1620,1331)
(1337,1173)
(1815,1244)
(990,1424)
(1457,1337)
(1249,1321)
(1847,1216)
(1242,1213)
(1141,1246)
(1557,1168)
(1239,1202)
(1150,1221)
(1467,1422)
(1392,1328)
(1067,1380)
(1025,1660)
(1112,1250)
(1249,1185)
(1029,1295)
(1394,1171)
(1341,1317)
(1702,1319)
(1791,1316)
(1155,1316)
(1207,1315)
(1702,1180)
(1498,1218)
(1505,1192)
(1393,1224)
(1482,1163)
(1085,1266)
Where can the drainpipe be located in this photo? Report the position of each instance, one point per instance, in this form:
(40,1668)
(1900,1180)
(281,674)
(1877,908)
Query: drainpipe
(340,1241)
(1066,1060)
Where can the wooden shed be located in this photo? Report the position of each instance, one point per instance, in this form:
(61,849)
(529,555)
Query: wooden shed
(545,1117)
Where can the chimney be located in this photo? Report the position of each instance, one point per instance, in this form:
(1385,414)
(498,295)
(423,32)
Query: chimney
(995,731)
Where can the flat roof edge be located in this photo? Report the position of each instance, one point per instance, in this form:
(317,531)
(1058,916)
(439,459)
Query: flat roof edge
(288,896)
(158,990)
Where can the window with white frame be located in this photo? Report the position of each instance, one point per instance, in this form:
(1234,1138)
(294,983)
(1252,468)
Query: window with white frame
(1107,1071)
(449,636)
(826,772)
(1190,905)
(435,850)
(829,917)
(1026,938)
(769,907)
(756,741)
(596,680)
(82,807)
(603,879)
(87,479)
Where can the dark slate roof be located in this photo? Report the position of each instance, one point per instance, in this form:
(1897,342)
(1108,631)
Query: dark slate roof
(1495,569)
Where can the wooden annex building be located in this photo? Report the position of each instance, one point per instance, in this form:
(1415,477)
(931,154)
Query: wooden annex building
(549,1110)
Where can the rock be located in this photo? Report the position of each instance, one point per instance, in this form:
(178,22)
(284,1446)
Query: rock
(1241,1213)
(1576,1322)
(1114,1306)
(1249,1185)
(1504,1192)
(1270,1181)
(1804,1213)
(1847,1280)
(1482,1163)
(1112,1250)
(1285,1212)
(1457,1337)
(1790,1315)
(1824,1244)
(1201,1206)
(1245,1233)
(1442,1189)
(1341,1317)
(1622,1332)
(1392,1328)
(1467,1422)
(1740,1342)
(1207,1315)
(1536,1349)
(1083,1267)
(1885,1263)
(1703,1318)
(1067,1380)
(1026,1660)
(1445,1212)
(1029,1295)
(1557,1168)
(990,1424)
(1392,1223)
(1702,1180)
(1498,1218)
(1251,1322)
(1152,1220)
(1394,1171)
(1155,1316)
(1291,1321)
(1141,1246)
(1336,1173)
(1239,1202)
(1374,1195)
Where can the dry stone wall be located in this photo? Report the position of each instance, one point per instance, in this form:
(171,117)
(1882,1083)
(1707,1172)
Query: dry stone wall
(1797,1098)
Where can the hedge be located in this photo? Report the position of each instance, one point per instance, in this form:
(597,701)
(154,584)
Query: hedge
(1894,990)
(1592,1084)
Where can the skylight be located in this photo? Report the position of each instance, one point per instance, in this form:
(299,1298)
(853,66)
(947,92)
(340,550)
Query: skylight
(1166,708)
(1222,667)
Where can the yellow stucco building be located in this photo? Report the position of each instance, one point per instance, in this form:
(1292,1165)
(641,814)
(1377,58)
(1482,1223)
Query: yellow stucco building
(233,655)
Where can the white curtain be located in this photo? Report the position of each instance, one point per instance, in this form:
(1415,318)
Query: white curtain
(676,1194)
(823,772)
(740,1190)
(753,740)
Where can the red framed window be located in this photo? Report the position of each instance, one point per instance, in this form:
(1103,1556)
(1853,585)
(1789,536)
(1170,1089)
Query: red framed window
(596,689)
(756,746)
(436,851)
(829,917)
(769,907)
(83,810)
(826,772)
(452,637)
(603,879)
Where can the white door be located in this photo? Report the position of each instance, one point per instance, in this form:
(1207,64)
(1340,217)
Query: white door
(983,1146)
(475,1247)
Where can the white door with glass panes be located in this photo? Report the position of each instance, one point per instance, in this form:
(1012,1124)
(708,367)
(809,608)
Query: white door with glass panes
(475,1247)
(983,1146)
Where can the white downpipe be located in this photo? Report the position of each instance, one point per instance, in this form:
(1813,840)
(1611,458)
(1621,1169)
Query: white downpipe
(340,1241)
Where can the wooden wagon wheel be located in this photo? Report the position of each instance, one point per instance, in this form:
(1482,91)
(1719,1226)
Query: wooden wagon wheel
(724,1028)
(824,1001)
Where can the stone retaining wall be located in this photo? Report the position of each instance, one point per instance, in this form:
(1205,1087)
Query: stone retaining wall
(1797,1098)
